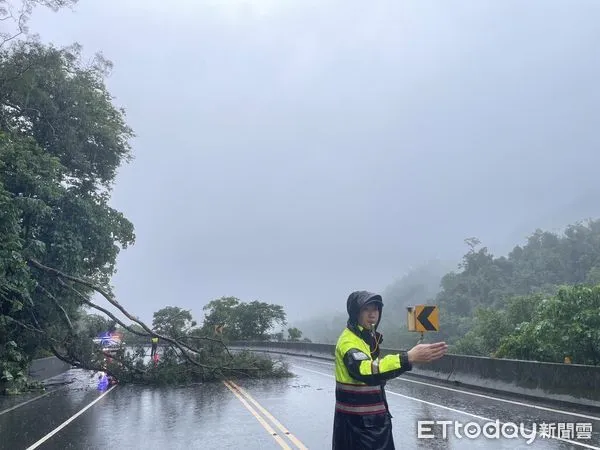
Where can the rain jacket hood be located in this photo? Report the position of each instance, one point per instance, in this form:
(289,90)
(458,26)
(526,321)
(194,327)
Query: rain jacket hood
(356,301)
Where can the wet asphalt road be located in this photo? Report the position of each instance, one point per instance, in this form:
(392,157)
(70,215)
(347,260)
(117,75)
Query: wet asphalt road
(211,416)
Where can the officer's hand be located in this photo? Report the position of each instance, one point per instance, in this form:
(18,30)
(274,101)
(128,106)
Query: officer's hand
(423,353)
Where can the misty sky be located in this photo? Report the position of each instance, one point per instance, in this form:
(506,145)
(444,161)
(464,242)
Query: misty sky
(293,151)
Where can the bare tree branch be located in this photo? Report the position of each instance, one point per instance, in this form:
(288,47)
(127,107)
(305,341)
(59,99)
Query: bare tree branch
(88,302)
(51,345)
(25,12)
(203,338)
(80,364)
(24,325)
(20,27)
(58,305)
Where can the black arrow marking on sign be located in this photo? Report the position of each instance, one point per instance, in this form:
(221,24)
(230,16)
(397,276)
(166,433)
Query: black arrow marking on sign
(423,317)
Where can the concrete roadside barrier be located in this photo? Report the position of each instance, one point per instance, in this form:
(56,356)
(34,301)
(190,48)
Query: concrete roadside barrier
(566,383)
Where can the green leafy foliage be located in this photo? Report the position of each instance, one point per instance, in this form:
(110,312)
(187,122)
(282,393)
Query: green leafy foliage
(546,261)
(51,96)
(173,321)
(537,303)
(242,321)
(491,326)
(294,334)
(207,357)
(170,370)
(61,141)
(563,325)
(501,306)
(13,370)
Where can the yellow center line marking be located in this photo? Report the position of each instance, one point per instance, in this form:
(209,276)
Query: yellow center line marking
(269,416)
(262,421)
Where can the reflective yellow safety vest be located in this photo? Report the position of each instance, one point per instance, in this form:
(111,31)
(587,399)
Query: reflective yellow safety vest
(155,340)
(360,378)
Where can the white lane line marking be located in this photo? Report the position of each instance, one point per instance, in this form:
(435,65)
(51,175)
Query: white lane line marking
(12,408)
(68,421)
(488,397)
(514,402)
(461,412)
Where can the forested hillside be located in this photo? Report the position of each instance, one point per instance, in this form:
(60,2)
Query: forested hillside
(538,302)
(541,301)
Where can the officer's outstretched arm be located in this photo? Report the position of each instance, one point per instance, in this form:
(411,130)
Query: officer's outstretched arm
(362,368)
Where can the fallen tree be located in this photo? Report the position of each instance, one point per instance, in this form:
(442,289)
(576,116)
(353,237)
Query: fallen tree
(182,362)
(61,143)
(185,358)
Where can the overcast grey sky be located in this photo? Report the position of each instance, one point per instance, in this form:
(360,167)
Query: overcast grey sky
(293,151)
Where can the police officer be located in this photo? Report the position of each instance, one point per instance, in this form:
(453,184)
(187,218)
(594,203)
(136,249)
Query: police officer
(362,419)
(154,345)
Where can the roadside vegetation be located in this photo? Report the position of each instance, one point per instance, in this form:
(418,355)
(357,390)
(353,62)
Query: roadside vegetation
(540,302)
(62,141)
